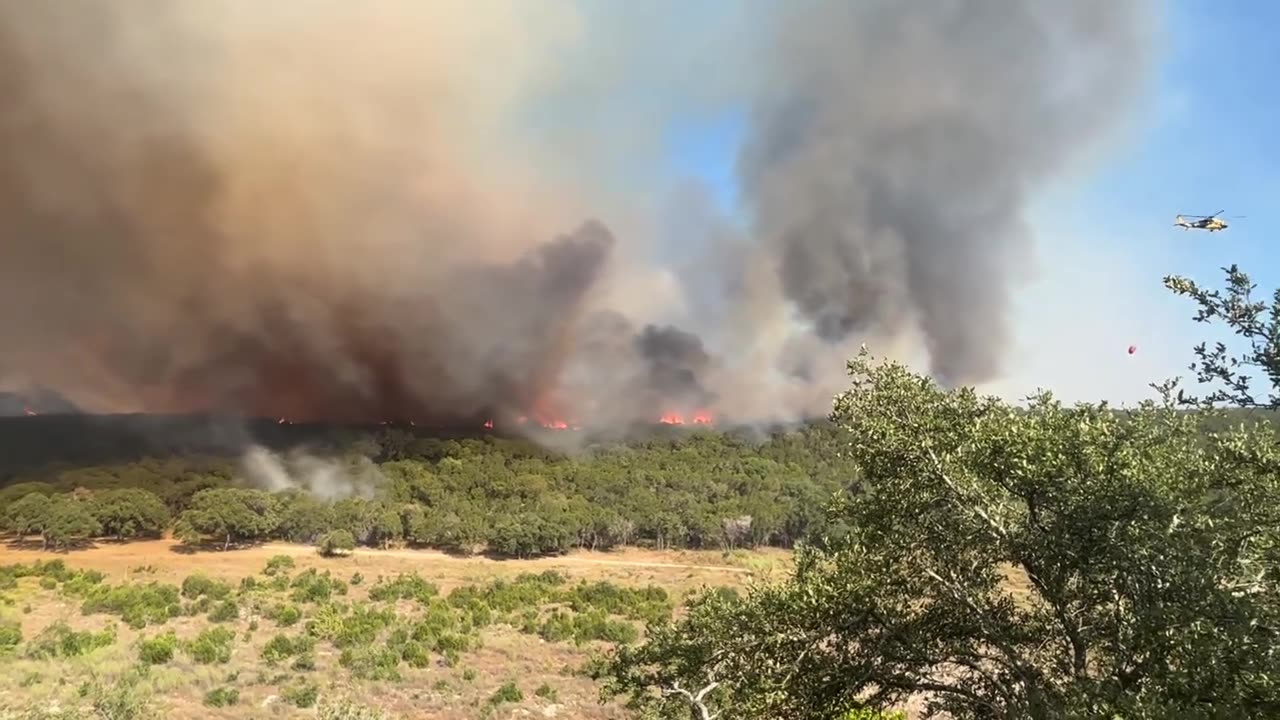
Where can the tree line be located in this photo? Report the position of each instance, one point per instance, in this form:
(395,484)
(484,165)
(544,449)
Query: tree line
(700,489)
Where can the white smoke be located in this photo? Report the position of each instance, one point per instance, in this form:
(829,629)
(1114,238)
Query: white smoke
(327,479)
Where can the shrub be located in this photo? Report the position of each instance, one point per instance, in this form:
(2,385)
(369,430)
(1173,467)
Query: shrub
(546,692)
(337,542)
(211,646)
(59,640)
(302,695)
(312,586)
(404,587)
(347,709)
(416,654)
(159,649)
(203,605)
(284,615)
(326,623)
(222,697)
(356,579)
(586,627)
(138,605)
(277,564)
(362,625)
(225,611)
(125,699)
(198,586)
(282,647)
(367,663)
(509,692)
(479,614)
(649,604)
(10,636)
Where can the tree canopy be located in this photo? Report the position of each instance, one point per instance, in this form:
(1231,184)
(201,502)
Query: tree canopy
(1048,562)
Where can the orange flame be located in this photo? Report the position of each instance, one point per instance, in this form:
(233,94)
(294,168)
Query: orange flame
(488,424)
(30,412)
(701,417)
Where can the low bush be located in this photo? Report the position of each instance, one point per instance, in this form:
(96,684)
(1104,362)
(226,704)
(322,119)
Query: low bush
(348,709)
(649,604)
(508,692)
(587,627)
(312,586)
(283,647)
(368,663)
(199,585)
(222,697)
(284,615)
(212,646)
(362,625)
(159,649)
(10,636)
(404,587)
(301,695)
(337,542)
(278,564)
(225,611)
(59,640)
(138,605)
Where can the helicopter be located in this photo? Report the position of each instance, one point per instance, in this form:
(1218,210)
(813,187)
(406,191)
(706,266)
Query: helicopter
(1212,223)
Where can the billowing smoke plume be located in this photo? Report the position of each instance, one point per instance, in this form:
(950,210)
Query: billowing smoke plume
(323,477)
(327,210)
(894,156)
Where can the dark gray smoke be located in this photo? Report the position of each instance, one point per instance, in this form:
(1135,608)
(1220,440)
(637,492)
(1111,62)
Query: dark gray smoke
(676,360)
(899,144)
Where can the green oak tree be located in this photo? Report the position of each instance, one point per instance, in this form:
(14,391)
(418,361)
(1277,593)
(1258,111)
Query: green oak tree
(68,520)
(228,514)
(130,512)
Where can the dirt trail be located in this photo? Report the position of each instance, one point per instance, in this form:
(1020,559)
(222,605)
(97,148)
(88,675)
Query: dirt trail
(563,560)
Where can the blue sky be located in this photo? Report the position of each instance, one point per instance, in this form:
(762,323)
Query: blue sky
(1203,140)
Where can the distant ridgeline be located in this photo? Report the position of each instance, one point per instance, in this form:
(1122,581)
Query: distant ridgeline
(40,401)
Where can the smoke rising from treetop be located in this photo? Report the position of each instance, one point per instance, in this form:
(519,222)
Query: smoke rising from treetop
(368,211)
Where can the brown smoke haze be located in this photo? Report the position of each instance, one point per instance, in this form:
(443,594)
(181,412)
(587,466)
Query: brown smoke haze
(435,211)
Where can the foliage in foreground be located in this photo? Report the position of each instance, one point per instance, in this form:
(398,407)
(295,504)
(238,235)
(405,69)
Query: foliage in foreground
(1145,548)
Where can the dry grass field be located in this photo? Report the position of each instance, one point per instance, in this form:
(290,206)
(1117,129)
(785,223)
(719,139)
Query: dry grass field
(547,673)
